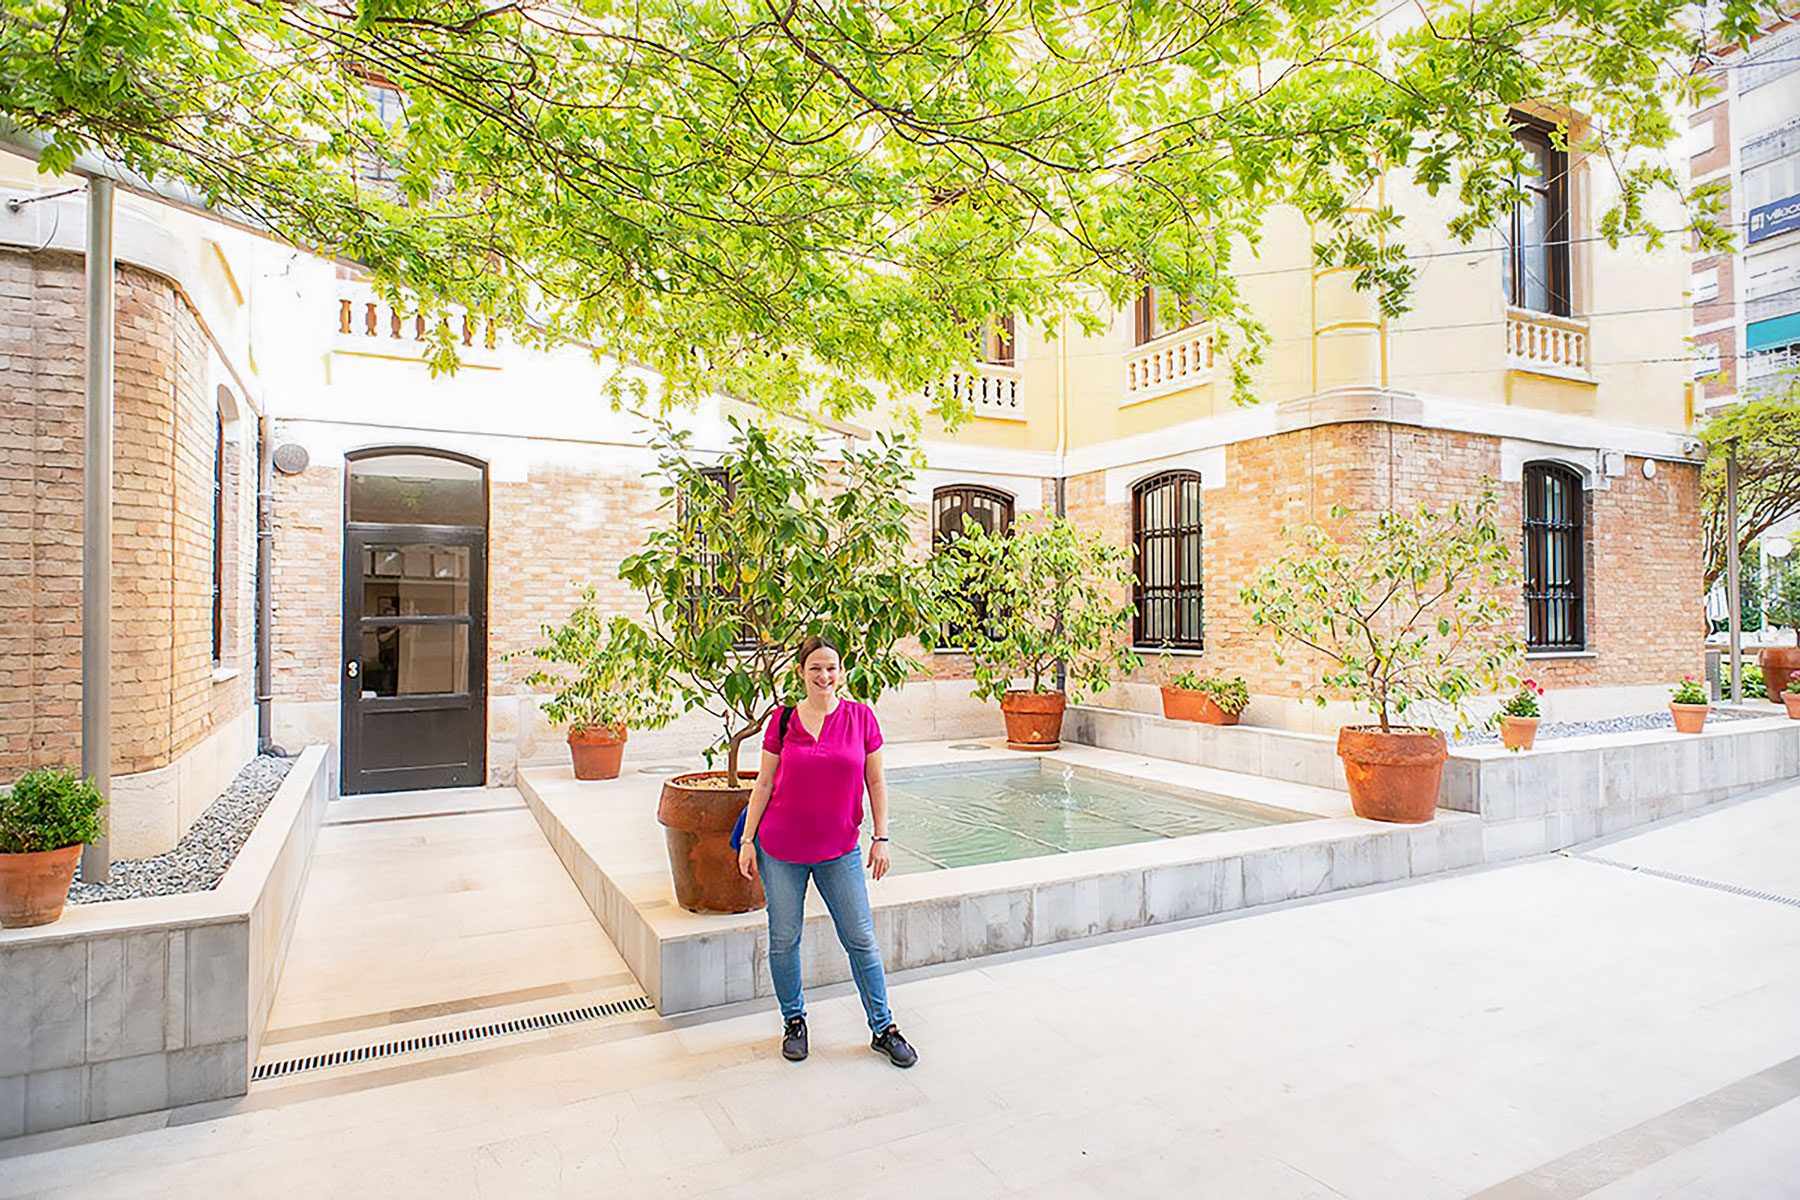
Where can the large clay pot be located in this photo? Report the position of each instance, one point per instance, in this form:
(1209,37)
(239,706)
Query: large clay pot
(597,751)
(1186,704)
(697,823)
(1033,719)
(1689,718)
(33,887)
(1792,701)
(1393,776)
(1779,664)
(1517,733)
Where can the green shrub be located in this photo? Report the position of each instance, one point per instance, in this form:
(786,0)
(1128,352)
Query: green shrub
(48,809)
(1754,687)
(1231,695)
(1688,691)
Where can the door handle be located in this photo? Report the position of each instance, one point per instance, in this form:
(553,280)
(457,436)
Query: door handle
(353,668)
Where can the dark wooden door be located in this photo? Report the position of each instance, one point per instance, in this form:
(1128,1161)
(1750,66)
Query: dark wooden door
(415,657)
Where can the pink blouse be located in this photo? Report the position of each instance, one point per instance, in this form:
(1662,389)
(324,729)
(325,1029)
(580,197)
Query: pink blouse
(816,805)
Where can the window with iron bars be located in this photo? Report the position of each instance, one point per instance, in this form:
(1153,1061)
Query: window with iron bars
(1555,592)
(989,509)
(1166,532)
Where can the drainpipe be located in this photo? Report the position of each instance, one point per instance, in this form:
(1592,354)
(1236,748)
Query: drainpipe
(265,536)
(96,537)
(1062,452)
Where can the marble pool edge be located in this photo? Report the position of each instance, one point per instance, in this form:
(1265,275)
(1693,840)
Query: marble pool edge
(607,838)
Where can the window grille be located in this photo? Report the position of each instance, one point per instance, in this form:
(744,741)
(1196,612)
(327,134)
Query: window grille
(1166,530)
(1555,597)
(991,510)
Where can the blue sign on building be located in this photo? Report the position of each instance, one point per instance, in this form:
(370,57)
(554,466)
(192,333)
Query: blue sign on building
(1778,216)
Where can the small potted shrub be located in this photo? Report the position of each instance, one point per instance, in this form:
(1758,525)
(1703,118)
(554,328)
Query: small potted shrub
(1518,717)
(1791,697)
(45,820)
(1688,705)
(1404,612)
(617,681)
(1044,592)
(1190,696)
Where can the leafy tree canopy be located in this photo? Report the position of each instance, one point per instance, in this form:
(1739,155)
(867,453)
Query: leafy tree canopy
(1764,433)
(792,198)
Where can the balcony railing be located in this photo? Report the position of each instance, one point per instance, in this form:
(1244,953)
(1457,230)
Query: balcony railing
(1178,360)
(368,324)
(989,390)
(1547,345)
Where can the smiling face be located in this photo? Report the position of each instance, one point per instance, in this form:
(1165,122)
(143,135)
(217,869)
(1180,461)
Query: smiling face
(822,672)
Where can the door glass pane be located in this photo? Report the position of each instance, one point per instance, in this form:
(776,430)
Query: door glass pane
(417,489)
(415,580)
(415,660)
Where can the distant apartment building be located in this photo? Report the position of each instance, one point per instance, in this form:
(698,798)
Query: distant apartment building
(1747,305)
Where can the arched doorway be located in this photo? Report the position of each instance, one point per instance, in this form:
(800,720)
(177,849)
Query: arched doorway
(415,620)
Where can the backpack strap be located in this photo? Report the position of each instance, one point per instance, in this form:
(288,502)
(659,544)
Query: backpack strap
(787,714)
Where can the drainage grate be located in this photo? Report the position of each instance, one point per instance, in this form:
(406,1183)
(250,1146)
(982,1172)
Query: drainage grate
(967,746)
(447,1037)
(1677,877)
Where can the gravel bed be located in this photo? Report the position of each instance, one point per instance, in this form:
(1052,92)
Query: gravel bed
(200,858)
(1562,729)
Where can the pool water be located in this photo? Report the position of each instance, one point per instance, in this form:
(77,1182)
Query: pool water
(969,815)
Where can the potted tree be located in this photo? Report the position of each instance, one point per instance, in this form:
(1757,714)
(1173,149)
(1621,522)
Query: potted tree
(1688,705)
(1791,697)
(1406,611)
(45,820)
(1780,664)
(1045,592)
(617,680)
(769,543)
(1518,717)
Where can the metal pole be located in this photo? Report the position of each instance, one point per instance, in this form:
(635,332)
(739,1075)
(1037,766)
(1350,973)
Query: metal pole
(1731,572)
(96,535)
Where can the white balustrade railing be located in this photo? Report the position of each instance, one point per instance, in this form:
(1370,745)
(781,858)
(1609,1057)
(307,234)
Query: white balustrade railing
(1174,361)
(1547,345)
(368,323)
(989,390)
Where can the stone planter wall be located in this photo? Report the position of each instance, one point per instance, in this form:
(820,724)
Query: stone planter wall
(136,1005)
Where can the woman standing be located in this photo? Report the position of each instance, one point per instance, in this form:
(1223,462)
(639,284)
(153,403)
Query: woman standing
(803,823)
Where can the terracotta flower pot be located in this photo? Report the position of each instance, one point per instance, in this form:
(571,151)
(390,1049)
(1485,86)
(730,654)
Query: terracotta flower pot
(1517,733)
(1393,776)
(1033,719)
(1186,704)
(33,887)
(697,823)
(1689,718)
(1779,664)
(597,751)
(1792,701)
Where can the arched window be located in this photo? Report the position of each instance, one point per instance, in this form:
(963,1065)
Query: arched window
(990,509)
(1555,595)
(1166,530)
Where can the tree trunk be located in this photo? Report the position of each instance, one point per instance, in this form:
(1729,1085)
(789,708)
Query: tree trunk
(731,757)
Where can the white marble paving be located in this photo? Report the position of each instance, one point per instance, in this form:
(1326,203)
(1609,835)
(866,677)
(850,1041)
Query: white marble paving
(1438,1039)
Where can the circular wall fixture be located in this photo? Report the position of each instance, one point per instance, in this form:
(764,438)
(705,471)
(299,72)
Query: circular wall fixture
(290,458)
(1649,468)
(1778,547)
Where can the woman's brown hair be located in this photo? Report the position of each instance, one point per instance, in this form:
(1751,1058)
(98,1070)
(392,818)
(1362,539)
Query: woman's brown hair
(811,646)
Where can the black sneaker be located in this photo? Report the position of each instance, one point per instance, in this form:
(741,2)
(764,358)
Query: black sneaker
(890,1043)
(793,1039)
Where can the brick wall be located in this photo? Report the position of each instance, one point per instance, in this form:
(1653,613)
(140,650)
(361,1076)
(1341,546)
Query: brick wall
(1644,620)
(164,698)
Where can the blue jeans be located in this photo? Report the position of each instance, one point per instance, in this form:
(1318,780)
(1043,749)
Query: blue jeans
(840,883)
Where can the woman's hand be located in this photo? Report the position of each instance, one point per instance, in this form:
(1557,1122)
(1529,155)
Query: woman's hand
(879,862)
(747,860)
